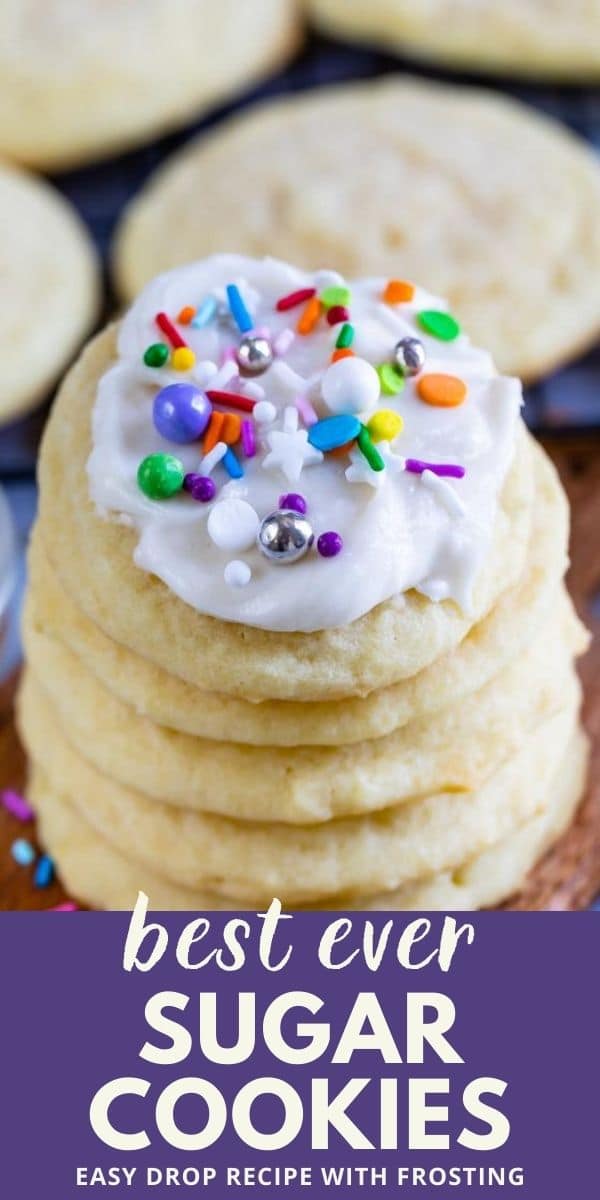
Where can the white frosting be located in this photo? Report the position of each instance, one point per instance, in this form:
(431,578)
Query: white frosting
(400,531)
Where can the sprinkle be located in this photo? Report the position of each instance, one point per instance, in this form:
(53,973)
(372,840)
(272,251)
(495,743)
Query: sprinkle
(44,872)
(452,470)
(385,425)
(160,476)
(156,355)
(226,373)
(295,501)
(231,400)
(335,297)
(391,380)
(238,309)
(183,359)
(441,325)
(231,430)
(369,451)
(232,464)
(344,352)
(169,330)
(23,852)
(338,314)
(16,805)
(237,574)
(441,391)
(295,298)
(283,341)
(306,410)
(68,906)
(333,432)
(211,460)
(265,412)
(214,431)
(185,316)
(200,487)
(228,355)
(329,544)
(233,525)
(248,438)
(398,291)
(445,494)
(249,387)
(345,337)
(205,312)
(310,316)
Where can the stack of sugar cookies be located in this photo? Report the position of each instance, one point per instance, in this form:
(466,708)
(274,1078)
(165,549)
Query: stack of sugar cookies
(296,624)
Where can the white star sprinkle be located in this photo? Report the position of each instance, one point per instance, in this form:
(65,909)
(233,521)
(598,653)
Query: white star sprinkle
(359,471)
(290,449)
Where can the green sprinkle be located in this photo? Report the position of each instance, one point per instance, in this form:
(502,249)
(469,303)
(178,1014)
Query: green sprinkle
(156,355)
(345,337)
(390,378)
(441,325)
(160,476)
(370,451)
(333,297)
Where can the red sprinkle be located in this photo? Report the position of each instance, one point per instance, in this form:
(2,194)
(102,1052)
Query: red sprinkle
(338,314)
(232,400)
(170,331)
(295,298)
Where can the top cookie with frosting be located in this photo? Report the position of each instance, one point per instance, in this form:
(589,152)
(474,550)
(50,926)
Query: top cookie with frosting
(292,449)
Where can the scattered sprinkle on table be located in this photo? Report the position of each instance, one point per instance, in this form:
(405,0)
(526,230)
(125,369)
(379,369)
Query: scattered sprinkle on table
(68,906)
(16,805)
(23,852)
(44,872)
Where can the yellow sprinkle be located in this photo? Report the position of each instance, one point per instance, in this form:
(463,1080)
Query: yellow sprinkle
(385,425)
(183,359)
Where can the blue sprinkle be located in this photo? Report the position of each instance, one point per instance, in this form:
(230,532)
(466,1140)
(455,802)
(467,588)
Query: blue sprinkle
(231,464)
(332,432)
(22,852)
(205,313)
(238,309)
(44,872)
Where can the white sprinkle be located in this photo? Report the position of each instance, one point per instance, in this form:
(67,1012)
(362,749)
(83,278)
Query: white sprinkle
(289,381)
(211,459)
(445,493)
(237,573)
(252,389)
(224,375)
(264,412)
(283,341)
(233,524)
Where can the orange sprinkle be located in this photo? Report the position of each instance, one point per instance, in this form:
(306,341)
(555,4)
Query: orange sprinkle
(214,431)
(310,315)
(231,431)
(186,315)
(343,352)
(398,291)
(442,391)
(340,451)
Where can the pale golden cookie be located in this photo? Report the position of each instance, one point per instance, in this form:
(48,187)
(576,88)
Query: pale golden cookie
(98,874)
(531,38)
(84,78)
(49,288)
(472,195)
(454,750)
(304,864)
(94,560)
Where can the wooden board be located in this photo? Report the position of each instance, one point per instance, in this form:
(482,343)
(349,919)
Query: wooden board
(569,876)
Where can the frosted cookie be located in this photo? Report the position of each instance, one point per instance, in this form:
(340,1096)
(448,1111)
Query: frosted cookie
(404,177)
(455,750)
(531,38)
(361,608)
(102,875)
(107,75)
(49,287)
(252,862)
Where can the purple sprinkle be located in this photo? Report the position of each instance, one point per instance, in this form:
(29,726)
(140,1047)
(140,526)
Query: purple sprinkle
(16,805)
(68,906)
(330,544)
(248,439)
(294,501)
(417,467)
(200,487)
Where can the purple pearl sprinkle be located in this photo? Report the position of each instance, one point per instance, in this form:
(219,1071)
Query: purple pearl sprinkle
(16,805)
(451,470)
(330,544)
(200,487)
(295,502)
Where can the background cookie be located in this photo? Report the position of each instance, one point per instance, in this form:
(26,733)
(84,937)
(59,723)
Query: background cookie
(480,199)
(82,78)
(49,288)
(532,38)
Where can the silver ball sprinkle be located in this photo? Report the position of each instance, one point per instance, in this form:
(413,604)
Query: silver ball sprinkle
(285,536)
(409,355)
(254,354)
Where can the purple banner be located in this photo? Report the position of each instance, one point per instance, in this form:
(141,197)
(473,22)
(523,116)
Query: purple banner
(311,1054)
